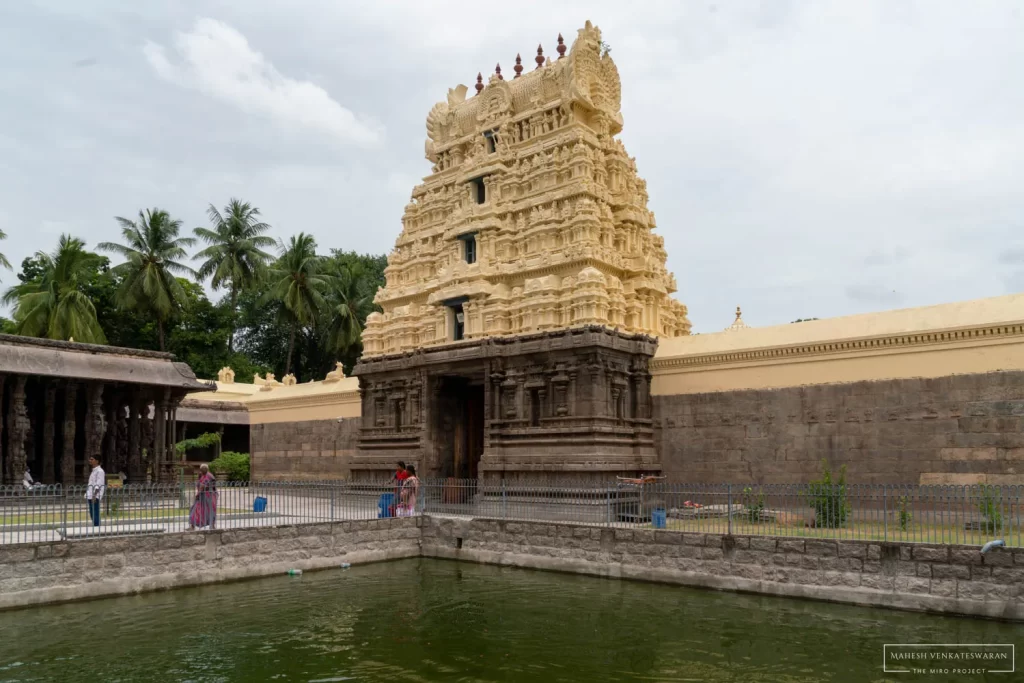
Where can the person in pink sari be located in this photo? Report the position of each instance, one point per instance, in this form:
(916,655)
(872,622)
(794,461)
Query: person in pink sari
(204,508)
(410,489)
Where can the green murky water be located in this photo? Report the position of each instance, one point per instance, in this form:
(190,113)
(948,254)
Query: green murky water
(431,620)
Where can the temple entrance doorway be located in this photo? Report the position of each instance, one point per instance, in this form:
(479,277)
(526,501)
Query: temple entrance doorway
(460,435)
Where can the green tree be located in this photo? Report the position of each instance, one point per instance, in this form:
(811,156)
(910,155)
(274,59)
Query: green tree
(347,307)
(234,258)
(297,283)
(152,253)
(54,303)
(3,259)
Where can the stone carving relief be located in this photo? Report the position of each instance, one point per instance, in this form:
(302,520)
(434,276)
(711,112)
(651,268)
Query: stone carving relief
(226,375)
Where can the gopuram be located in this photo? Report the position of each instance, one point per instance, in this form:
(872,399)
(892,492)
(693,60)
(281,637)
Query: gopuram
(526,291)
(64,402)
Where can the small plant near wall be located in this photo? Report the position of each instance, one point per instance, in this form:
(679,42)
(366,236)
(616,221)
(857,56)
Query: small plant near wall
(753,504)
(231,466)
(988,506)
(904,513)
(829,498)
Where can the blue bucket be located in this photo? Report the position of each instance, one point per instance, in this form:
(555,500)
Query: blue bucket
(385,505)
(260,504)
(658,518)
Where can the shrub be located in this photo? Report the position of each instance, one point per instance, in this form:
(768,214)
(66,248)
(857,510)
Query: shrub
(829,498)
(905,514)
(753,504)
(988,506)
(232,466)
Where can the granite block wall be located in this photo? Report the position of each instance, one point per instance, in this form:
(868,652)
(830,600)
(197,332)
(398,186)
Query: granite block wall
(959,429)
(939,578)
(314,450)
(57,572)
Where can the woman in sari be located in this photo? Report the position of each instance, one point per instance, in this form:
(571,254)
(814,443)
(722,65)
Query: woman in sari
(410,489)
(204,508)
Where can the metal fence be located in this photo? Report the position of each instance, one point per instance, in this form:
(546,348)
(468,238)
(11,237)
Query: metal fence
(917,514)
(906,513)
(52,513)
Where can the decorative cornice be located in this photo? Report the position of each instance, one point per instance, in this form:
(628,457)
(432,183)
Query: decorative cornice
(890,343)
(308,401)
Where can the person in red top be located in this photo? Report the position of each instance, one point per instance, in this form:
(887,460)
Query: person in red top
(398,479)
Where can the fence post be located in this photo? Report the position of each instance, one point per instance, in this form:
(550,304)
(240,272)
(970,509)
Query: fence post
(728,505)
(504,501)
(885,513)
(64,510)
(332,501)
(608,503)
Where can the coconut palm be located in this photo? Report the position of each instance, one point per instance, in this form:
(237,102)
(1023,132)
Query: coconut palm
(152,253)
(55,305)
(347,305)
(297,283)
(3,259)
(234,258)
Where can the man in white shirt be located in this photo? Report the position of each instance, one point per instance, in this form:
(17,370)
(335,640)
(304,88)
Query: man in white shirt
(94,491)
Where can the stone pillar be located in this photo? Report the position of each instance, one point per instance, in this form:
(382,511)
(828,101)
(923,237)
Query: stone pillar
(135,407)
(3,459)
(67,458)
(160,436)
(49,433)
(172,450)
(93,426)
(17,432)
(110,431)
(147,440)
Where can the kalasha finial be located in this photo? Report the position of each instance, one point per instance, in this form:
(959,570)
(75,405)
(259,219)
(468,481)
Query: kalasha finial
(497,72)
(561,46)
(540,57)
(518,68)
(479,83)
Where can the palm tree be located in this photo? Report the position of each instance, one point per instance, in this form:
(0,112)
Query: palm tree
(3,259)
(347,305)
(55,305)
(152,253)
(296,282)
(235,256)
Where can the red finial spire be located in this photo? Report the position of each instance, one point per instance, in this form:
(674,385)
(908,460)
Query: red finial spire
(497,72)
(540,57)
(479,83)
(561,46)
(518,68)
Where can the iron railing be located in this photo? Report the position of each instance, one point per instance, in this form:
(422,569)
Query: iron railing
(884,512)
(915,514)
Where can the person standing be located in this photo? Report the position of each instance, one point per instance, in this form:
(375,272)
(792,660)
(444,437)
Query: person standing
(204,508)
(94,491)
(399,477)
(410,489)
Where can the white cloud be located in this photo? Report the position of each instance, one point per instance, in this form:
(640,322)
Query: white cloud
(217,60)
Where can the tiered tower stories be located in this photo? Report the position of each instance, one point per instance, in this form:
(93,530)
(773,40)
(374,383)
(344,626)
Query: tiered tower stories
(533,219)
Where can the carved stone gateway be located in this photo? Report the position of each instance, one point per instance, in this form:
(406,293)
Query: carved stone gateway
(571,403)
(526,290)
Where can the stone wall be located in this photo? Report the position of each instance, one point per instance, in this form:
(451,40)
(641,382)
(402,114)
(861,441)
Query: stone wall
(57,572)
(953,579)
(958,429)
(303,451)
(939,578)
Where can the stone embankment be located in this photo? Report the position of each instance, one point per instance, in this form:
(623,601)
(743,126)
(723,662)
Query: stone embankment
(937,578)
(35,573)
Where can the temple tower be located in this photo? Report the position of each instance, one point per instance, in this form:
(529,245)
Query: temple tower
(526,291)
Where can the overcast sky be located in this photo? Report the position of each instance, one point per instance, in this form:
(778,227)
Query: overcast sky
(804,159)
